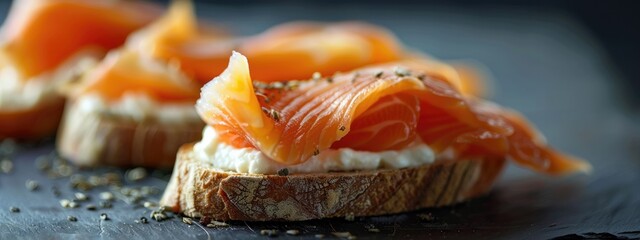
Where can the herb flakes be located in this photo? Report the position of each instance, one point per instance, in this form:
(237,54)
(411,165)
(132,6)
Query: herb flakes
(269,232)
(72,218)
(32,185)
(81,196)
(136,174)
(159,214)
(107,196)
(401,72)
(283,172)
(216,224)
(316,76)
(293,232)
(14,209)
(272,113)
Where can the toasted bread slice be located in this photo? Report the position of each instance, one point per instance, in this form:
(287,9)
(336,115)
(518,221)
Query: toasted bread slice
(102,138)
(31,123)
(198,190)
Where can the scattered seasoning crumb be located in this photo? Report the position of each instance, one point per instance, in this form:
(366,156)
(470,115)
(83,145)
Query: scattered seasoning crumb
(215,224)
(283,172)
(401,72)
(277,85)
(148,204)
(265,97)
(275,115)
(316,152)
(342,128)
(32,185)
(92,207)
(65,203)
(6,165)
(316,76)
(426,217)
(144,220)
(72,218)
(81,196)
(375,230)
(342,234)
(187,220)
(329,79)
(104,217)
(319,235)
(293,232)
(108,196)
(422,77)
(73,204)
(158,214)
(64,170)
(105,204)
(379,74)
(14,209)
(269,232)
(136,174)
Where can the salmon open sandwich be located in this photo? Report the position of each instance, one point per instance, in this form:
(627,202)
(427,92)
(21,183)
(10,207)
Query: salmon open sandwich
(141,96)
(47,43)
(380,139)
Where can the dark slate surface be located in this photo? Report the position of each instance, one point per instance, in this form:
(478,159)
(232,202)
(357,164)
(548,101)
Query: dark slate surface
(542,63)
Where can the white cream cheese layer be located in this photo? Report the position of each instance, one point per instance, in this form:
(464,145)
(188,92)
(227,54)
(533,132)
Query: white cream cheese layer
(18,93)
(249,160)
(138,107)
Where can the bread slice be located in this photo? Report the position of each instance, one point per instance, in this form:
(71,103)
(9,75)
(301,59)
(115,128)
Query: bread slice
(197,190)
(101,138)
(31,123)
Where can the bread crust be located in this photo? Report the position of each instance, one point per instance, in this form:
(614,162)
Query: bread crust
(197,190)
(101,138)
(32,123)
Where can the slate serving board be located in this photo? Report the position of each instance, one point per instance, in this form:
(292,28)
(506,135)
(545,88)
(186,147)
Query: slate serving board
(542,63)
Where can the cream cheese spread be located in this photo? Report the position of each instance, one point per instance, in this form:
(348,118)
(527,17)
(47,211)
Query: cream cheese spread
(19,93)
(224,157)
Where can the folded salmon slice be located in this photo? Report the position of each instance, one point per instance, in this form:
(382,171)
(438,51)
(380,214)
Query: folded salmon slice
(386,107)
(128,72)
(39,35)
(289,51)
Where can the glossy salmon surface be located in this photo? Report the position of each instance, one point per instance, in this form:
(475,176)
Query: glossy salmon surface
(39,35)
(385,107)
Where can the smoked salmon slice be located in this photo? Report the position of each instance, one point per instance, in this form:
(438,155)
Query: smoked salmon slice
(291,122)
(285,52)
(39,35)
(296,49)
(127,72)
